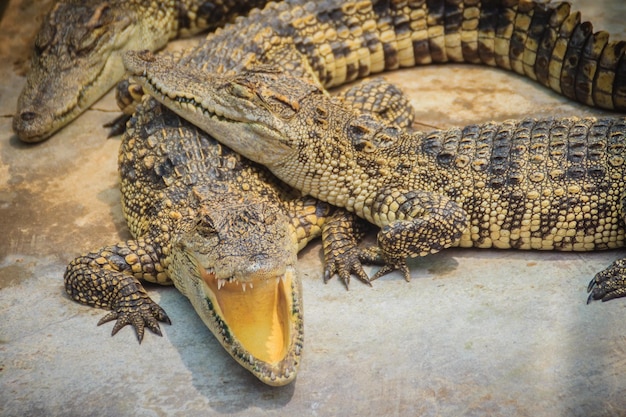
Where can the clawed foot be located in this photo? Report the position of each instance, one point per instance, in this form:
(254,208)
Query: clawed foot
(117,126)
(139,312)
(394,265)
(350,262)
(609,284)
(127,95)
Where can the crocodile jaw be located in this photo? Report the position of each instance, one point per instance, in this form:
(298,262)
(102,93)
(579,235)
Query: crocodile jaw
(42,112)
(264,323)
(256,317)
(231,112)
(246,292)
(261,327)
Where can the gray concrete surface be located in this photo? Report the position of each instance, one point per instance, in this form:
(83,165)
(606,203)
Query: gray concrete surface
(476,333)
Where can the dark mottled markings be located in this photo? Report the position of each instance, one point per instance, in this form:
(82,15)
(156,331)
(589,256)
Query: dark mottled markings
(548,41)
(619,86)
(538,29)
(488,25)
(436,17)
(572,58)
(184,22)
(214,13)
(519,35)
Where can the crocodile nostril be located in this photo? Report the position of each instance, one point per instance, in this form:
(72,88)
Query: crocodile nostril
(28,116)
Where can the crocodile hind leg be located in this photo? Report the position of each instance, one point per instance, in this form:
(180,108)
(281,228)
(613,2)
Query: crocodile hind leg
(109,279)
(343,256)
(609,284)
(341,233)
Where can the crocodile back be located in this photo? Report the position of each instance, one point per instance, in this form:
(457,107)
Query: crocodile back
(340,42)
(532,184)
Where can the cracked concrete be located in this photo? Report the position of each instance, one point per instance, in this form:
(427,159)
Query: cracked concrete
(499,333)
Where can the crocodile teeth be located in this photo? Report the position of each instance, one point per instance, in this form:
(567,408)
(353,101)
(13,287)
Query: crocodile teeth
(244,285)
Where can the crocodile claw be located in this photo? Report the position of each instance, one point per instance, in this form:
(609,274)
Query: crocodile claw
(608,284)
(345,268)
(394,265)
(139,313)
(350,262)
(117,126)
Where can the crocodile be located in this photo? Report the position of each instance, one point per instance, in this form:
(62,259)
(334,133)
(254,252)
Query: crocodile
(550,184)
(202,220)
(225,232)
(311,40)
(77,55)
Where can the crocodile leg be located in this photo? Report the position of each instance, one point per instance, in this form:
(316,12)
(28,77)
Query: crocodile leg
(110,279)
(609,284)
(414,223)
(342,231)
(342,254)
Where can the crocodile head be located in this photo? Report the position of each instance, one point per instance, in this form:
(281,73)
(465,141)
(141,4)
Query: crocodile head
(237,267)
(77,58)
(255,113)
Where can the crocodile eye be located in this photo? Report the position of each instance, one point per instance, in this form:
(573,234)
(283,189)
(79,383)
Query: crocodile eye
(205,226)
(84,44)
(96,26)
(240,91)
(279,104)
(44,38)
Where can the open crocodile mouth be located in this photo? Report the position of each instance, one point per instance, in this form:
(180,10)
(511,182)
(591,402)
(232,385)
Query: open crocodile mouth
(259,321)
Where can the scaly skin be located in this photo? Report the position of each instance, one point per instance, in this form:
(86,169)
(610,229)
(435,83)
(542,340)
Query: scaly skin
(213,227)
(534,184)
(78,52)
(338,42)
(327,43)
(225,233)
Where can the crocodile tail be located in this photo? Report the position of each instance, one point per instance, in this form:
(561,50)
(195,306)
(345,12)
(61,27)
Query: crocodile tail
(551,45)
(545,42)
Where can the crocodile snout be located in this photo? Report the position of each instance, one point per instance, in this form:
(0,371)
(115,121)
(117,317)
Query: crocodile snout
(31,126)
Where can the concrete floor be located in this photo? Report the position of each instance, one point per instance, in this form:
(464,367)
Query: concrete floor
(498,333)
